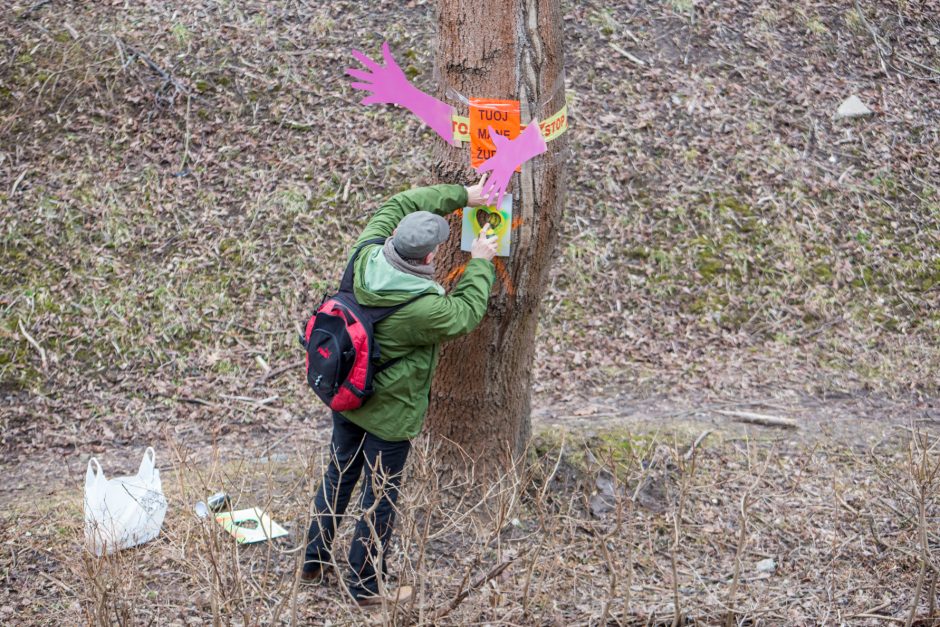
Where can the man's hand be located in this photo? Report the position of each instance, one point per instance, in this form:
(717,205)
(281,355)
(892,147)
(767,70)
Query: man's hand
(475,193)
(484,247)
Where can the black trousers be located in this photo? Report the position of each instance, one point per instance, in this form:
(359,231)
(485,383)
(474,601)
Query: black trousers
(353,449)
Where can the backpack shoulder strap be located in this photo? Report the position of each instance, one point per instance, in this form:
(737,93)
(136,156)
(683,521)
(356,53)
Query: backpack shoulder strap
(346,284)
(381,313)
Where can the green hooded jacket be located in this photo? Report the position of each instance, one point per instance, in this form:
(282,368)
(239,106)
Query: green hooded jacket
(396,411)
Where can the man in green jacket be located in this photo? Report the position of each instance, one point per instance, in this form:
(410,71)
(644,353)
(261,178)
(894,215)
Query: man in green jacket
(375,438)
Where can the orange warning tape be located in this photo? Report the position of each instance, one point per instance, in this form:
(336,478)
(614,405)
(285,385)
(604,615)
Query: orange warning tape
(551,128)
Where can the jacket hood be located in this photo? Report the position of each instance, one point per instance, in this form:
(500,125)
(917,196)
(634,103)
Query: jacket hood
(379,284)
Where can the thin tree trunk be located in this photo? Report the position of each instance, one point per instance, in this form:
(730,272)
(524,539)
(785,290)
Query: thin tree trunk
(507,49)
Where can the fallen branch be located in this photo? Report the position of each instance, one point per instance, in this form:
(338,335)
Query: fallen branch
(168,79)
(765,420)
(17,182)
(279,371)
(34,344)
(881,617)
(629,57)
(25,14)
(475,585)
(58,582)
(698,440)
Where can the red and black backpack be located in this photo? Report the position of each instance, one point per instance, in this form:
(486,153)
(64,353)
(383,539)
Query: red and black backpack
(342,354)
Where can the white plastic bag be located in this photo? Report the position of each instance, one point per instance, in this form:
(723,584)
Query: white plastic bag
(123,512)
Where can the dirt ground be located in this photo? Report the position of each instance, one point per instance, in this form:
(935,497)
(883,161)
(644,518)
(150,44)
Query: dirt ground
(268,428)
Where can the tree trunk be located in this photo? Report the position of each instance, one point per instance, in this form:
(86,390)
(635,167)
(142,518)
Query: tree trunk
(480,400)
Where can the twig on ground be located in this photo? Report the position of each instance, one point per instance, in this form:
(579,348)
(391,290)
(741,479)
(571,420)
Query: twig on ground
(25,14)
(34,344)
(279,371)
(59,582)
(890,619)
(17,182)
(628,56)
(168,79)
(689,453)
(764,420)
(494,572)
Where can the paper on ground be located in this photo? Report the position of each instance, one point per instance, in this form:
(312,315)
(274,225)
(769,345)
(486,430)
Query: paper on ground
(248,526)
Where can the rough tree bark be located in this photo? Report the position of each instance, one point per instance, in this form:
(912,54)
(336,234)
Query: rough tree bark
(507,49)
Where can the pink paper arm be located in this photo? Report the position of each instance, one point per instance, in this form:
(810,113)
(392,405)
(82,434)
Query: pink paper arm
(389,85)
(510,154)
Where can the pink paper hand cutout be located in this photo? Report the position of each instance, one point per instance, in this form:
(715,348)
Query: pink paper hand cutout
(389,85)
(510,154)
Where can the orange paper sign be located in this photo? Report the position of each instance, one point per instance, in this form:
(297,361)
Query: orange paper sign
(502,115)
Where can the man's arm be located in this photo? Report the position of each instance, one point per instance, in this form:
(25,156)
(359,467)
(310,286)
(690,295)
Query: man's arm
(439,199)
(461,311)
(458,313)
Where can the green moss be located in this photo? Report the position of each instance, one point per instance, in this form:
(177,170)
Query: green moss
(624,447)
(180,33)
(855,21)
(224,366)
(605,23)
(699,306)
(816,27)
(822,272)
(228,244)
(662,259)
(16,369)
(865,279)
(888,185)
(681,6)
(733,204)
(926,279)
(709,266)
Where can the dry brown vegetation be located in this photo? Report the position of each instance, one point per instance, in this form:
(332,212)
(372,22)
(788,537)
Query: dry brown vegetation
(621,528)
(178,182)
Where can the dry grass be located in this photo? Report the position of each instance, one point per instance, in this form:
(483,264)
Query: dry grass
(629,529)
